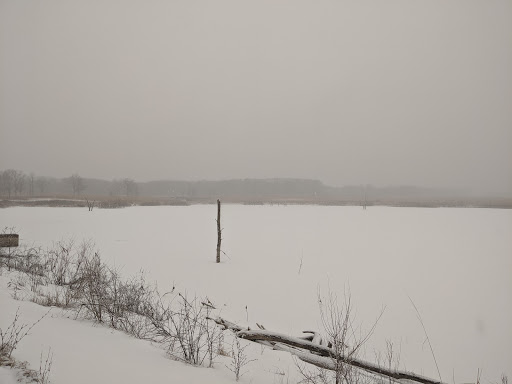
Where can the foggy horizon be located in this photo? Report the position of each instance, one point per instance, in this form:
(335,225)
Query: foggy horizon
(429,190)
(384,94)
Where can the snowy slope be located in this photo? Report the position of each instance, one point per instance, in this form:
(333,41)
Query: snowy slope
(454,263)
(84,352)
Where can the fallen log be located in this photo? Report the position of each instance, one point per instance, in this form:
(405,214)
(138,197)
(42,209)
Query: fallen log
(319,355)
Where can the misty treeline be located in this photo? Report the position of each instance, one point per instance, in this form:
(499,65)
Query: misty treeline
(16,183)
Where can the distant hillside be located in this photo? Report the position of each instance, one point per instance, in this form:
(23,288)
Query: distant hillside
(251,191)
(241,189)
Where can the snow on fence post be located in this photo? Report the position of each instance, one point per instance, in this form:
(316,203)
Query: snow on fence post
(9,240)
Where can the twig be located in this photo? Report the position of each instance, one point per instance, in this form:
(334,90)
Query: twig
(426,335)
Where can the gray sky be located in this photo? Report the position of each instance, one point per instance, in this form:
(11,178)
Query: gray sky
(380,92)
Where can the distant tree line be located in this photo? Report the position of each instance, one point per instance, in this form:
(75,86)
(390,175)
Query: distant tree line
(12,182)
(16,183)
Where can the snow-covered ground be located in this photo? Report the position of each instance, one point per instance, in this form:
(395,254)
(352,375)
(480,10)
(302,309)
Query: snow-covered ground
(455,264)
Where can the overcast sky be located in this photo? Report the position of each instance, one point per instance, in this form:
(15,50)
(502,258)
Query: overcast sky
(361,92)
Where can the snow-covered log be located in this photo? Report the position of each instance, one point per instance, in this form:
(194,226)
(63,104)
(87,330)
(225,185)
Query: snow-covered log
(274,337)
(307,357)
(318,355)
(315,338)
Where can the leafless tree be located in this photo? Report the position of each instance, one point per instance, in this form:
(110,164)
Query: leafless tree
(42,183)
(77,184)
(7,178)
(116,187)
(31,182)
(130,187)
(19,182)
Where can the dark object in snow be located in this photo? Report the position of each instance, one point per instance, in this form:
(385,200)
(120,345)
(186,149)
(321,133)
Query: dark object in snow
(219,231)
(9,240)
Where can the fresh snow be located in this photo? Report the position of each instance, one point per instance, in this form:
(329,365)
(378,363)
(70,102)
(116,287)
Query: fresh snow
(454,264)
(8,375)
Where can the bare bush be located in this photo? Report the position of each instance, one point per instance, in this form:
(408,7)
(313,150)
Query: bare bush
(58,262)
(135,307)
(107,298)
(343,338)
(90,204)
(51,275)
(45,367)
(239,358)
(12,336)
(183,325)
(92,287)
(64,263)
(131,306)
(72,276)
(54,296)
(29,261)
(9,340)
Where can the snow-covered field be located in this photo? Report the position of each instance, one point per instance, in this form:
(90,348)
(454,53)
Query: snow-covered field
(455,264)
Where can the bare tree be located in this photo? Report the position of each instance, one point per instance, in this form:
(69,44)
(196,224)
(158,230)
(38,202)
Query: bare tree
(42,183)
(19,182)
(31,182)
(130,187)
(77,184)
(116,187)
(7,181)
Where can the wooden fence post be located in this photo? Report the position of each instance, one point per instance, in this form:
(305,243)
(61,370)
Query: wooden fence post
(219,238)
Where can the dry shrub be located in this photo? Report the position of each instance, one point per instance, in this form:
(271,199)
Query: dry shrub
(74,276)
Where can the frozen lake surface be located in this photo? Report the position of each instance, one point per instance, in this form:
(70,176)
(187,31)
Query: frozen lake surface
(455,264)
